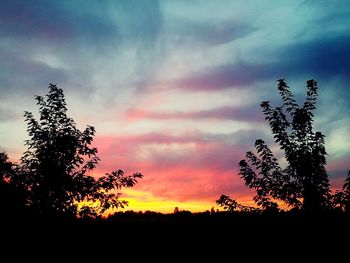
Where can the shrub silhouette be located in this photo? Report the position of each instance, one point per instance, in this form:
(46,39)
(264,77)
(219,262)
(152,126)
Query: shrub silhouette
(345,202)
(304,183)
(341,199)
(54,169)
(12,196)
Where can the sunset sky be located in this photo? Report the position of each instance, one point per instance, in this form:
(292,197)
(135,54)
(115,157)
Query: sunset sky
(173,87)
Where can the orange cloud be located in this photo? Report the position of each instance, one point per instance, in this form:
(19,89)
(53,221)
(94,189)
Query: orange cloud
(189,171)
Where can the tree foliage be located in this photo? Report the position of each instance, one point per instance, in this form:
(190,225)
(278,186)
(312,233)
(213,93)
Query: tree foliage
(5,168)
(55,168)
(346,194)
(304,182)
(12,197)
(231,205)
(341,199)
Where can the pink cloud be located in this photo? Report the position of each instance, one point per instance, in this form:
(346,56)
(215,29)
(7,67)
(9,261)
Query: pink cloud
(338,170)
(228,76)
(222,113)
(200,168)
(202,171)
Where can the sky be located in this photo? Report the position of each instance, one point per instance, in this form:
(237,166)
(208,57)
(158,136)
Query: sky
(173,87)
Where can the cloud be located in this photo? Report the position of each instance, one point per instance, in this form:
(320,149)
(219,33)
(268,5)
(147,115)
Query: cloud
(320,58)
(324,57)
(77,45)
(25,69)
(209,33)
(337,170)
(32,20)
(186,167)
(57,25)
(95,23)
(193,166)
(212,61)
(221,77)
(222,113)
(7,114)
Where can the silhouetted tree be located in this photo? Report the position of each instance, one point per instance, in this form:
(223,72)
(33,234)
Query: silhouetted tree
(12,196)
(54,169)
(341,198)
(5,167)
(304,183)
(346,191)
(231,205)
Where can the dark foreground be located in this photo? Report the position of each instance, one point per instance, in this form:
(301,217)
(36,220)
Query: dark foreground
(202,236)
(220,223)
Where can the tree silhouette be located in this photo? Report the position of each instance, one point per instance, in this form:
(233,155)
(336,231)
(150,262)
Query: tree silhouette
(232,205)
(346,191)
(12,196)
(54,169)
(5,168)
(341,198)
(304,182)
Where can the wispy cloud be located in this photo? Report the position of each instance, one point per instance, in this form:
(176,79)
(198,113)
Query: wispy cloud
(321,58)
(7,114)
(173,87)
(208,33)
(201,165)
(222,113)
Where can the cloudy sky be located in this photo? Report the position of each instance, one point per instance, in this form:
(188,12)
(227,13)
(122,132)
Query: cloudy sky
(173,87)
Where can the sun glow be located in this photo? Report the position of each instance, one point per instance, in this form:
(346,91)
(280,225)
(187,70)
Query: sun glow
(143,201)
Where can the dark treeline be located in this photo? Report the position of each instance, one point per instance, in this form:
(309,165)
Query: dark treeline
(52,182)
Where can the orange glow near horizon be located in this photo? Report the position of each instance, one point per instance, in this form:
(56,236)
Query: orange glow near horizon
(143,201)
(168,206)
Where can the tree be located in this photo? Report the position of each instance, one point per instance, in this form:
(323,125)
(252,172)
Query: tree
(232,205)
(54,168)
(304,182)
(341,198)
(5,167)
(12,197)
(346,191)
